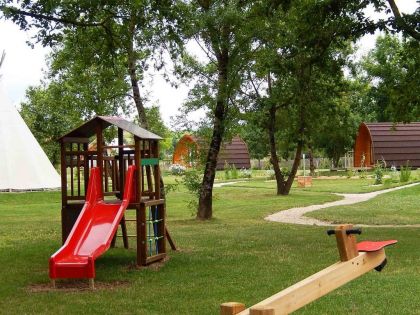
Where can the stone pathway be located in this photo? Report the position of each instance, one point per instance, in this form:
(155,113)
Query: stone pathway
(225,184)
(296,215)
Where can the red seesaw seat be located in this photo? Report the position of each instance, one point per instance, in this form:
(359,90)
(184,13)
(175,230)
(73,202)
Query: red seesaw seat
(368,246)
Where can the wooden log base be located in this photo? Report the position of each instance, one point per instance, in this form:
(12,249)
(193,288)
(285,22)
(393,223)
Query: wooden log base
(231,308)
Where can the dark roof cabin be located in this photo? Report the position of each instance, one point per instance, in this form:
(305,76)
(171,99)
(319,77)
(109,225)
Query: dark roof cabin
(234,152)
(395,144)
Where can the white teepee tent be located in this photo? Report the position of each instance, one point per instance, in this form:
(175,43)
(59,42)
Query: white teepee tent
(23,163)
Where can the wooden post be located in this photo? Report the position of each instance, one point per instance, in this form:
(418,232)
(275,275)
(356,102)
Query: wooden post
(231,308)
(121,161)
(137,162)
(92,283)
(141,234)
(100,154)
(124,232)
(156,168)
(169,238)
(346,243)
(63,192)
(161,215)
(86,166)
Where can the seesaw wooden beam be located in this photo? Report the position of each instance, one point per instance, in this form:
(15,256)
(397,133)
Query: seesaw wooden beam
(311,288)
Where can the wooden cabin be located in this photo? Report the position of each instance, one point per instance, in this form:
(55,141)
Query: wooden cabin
(234,152)
(77,158)
(395,144)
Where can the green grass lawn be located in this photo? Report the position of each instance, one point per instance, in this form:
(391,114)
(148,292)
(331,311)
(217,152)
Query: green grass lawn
(398,207)
(237,256)
(339,185)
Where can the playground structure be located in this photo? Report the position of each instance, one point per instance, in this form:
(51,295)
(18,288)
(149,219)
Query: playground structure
(355,260)
(235,152)
(98,186)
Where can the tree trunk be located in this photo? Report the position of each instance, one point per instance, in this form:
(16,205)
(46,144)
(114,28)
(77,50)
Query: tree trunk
(205,201)
(273,152)
(274,159)
(288,185)
(131,64)
(311,162)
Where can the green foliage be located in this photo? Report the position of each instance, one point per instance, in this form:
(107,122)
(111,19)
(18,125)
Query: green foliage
(177,170)
(52,110)
(245,173)
(392,67)
(155,122)
(233,172)
(254,133)
(157,125)
(192,179)
(285,171)
(350,173)
(270,174)
(226,170)
(405,173)
(379,173)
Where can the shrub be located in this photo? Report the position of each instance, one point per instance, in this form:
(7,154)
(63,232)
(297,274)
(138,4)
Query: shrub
(270,174)
(177,169)
(379,173)
(405,173)
(233,172)
(285,171)
(227,170)
(350,173)
(244,173)
(393,174)
(192,181)
(363,174)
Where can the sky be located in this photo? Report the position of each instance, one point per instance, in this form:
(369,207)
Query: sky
(24,67)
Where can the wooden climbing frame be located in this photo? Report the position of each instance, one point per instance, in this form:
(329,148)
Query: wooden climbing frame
(79,155)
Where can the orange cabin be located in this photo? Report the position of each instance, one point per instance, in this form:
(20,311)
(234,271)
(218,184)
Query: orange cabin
(235,152)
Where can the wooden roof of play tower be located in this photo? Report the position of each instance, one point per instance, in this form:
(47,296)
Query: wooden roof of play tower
(88,129)
(396,144)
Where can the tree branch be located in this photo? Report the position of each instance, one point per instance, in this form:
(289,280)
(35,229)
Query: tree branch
(401,22)
(51,18)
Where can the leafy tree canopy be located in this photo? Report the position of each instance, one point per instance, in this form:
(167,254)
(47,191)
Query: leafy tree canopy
(392,70)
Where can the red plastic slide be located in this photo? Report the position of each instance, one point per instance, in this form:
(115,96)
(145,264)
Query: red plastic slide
(93,231)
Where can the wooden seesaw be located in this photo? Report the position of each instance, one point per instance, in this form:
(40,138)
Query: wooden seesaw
(356,260)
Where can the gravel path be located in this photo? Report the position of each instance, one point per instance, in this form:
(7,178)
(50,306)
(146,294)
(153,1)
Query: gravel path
(296,215)
(226,184)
